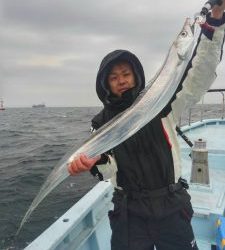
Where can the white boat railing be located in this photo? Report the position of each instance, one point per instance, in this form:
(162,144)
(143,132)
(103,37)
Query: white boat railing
(219,115)
(221,91)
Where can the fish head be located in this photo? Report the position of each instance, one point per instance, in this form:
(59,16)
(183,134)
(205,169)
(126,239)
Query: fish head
(185,40)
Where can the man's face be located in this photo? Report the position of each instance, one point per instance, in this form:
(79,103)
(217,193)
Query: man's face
(121,78)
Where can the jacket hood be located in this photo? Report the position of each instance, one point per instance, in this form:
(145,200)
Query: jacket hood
(108,99)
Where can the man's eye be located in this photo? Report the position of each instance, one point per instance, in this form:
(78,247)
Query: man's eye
(112,78)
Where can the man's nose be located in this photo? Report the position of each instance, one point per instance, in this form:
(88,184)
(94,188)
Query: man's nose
(121,80)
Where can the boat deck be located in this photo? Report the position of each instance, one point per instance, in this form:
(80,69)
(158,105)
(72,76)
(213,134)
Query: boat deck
(211,198)
(85,226)
(208,200)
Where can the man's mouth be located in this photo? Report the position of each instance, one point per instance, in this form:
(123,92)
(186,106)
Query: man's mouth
(123,90)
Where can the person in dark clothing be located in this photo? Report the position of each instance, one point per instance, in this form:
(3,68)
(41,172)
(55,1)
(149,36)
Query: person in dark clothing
(152,207)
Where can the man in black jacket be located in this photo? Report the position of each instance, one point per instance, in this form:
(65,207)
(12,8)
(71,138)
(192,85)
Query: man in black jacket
(151,204)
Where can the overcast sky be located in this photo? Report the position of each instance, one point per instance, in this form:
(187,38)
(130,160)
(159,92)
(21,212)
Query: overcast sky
(50,50)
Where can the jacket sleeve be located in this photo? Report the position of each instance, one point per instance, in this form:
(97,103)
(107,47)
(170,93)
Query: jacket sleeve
(202,69)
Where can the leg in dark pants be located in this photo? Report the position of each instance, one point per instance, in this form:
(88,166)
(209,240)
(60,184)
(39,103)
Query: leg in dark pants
(172,233)
(137,232)
(176,233)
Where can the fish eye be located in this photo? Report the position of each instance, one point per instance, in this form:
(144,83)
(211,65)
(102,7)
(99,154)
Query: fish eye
(183,33)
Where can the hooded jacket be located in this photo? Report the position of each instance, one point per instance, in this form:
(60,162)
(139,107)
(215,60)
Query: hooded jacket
(144,161)
(108,99)
(150,159)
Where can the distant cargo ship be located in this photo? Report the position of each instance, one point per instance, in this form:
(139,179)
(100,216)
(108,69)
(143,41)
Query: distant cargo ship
(39,105)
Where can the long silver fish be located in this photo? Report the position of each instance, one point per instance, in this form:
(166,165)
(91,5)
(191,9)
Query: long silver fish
(148,104)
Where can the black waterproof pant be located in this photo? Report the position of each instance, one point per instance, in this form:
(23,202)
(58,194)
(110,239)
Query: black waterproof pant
(133,232)
(171,233)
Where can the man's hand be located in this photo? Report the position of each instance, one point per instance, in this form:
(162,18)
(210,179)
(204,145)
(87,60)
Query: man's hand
(82,163)
(217,11)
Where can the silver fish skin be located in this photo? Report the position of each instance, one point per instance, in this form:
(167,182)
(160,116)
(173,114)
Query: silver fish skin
(148,104)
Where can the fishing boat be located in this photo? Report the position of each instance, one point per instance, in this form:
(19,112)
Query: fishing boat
(1,105)
(85,226)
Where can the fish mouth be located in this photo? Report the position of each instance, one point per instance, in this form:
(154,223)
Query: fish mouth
(193,27)
(190,23)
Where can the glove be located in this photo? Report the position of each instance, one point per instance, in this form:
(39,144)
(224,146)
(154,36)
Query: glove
(82,163)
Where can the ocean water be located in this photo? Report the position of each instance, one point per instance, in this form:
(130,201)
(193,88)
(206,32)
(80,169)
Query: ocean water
(32,141)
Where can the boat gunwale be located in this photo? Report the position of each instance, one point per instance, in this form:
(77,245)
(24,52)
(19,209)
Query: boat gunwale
(205,122)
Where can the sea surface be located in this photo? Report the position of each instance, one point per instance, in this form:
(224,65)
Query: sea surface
(32,141)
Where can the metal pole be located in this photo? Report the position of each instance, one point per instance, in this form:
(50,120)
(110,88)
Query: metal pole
(189,117)
(202,108)
(223,108)
(180,122)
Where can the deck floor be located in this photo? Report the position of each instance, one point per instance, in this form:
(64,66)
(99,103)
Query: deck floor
(208,201)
